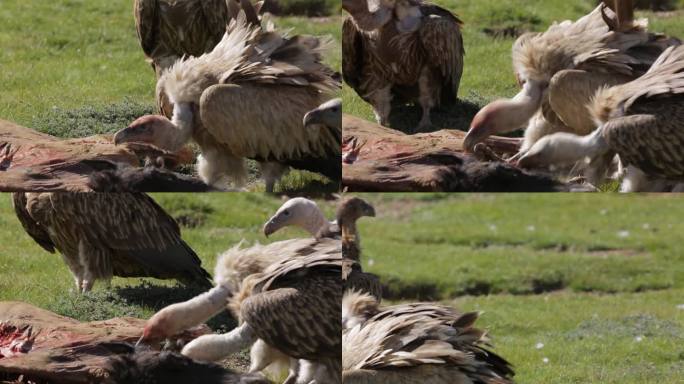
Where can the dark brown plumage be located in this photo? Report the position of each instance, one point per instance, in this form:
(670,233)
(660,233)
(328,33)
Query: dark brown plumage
(104,235)
(407,49)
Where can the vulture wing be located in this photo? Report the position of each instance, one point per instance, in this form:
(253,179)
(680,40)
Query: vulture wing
(353,55)
(653,140)
(295,306)
(31,226)
(147,24)
(441,38)
(144,240)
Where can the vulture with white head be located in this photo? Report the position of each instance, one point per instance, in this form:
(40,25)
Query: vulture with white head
(328,116)
(299,212)
(101,235)
(415,343)
(237,274)
(641,121)
(247,99)
(402,49)
(561,70)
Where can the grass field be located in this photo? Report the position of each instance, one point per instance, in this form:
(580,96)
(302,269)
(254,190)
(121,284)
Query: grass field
(598,280)
(75,68)
(488,74)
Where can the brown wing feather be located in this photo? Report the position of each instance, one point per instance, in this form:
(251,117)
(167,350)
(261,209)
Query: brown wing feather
(652,139)
(442,41)
(141,238)
(31,226)
(147,24)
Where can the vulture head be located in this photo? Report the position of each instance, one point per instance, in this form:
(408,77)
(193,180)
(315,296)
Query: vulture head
(506,115)
(353,209)
(161,326)
(370,15)
(300,212)
(150,129)
(357,307)
(328,114)
(561,149)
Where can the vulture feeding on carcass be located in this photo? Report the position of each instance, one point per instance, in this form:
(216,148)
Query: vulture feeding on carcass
(561,70)
(101,235)
(259,284)
(408,50)
(247,99)
(641,121)
(299,212)
(415,343)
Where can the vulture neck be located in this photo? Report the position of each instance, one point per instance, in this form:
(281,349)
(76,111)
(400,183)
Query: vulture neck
(351,247)
(365,18)
(571,148)
(316,223)
(524,105)
(183,120)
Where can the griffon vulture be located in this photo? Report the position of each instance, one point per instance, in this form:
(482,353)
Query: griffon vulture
(405,49)
(247,99)
(328,117)
(299,212)
(641,121)
(415,343)
(101,235)
(561,70)
(236,273)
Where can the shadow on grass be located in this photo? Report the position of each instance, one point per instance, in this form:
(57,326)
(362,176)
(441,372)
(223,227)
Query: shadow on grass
(405,117)
(131,301)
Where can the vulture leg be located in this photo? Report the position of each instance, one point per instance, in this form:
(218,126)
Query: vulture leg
(272,172)
(214,166)
(381,101)
(427,98)
(216,347)
(293,372)
(96,265)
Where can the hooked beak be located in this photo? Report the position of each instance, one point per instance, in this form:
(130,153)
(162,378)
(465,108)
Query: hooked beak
(121,136)
(311,118)
(370,211)
(270,228)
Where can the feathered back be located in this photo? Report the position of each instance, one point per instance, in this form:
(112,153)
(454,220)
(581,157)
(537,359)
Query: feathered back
(414,335)
(250,52)
(666,77)
(590,44)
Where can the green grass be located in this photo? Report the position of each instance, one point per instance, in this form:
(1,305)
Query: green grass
(74,68)
(488,74)
(586,275)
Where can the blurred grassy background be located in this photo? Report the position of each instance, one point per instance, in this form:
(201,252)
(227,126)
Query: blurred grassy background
(488,72)
(593,283)
(74,68)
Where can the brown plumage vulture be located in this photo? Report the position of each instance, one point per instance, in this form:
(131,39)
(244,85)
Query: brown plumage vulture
(328,116)
(247,99)
(262,285)
(642,121)
(408,50)
(104,235)
(415,343)
(171,29)
(561,70)
(353,275)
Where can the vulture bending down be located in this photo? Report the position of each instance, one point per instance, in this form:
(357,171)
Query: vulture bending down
(561,70)
(308,258)
(415,343)
(299,212)
(101,235)
(405,49)
(642,121)
(247,99)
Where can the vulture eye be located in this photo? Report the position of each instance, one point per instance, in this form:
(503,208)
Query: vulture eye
(286,212)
